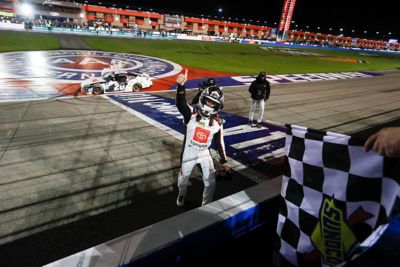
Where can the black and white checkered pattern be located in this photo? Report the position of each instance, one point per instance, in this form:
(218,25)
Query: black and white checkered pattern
(328,165)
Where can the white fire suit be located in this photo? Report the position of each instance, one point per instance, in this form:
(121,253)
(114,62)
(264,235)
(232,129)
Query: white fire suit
(200,132)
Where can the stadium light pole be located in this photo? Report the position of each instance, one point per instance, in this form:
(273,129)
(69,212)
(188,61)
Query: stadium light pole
(286,17)
(220,10)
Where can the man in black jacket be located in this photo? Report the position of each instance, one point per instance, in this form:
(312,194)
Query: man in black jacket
(259,91)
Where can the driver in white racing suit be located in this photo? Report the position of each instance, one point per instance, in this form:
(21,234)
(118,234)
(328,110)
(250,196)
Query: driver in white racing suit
(203,125)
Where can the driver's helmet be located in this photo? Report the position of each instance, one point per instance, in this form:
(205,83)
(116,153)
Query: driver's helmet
(211,101)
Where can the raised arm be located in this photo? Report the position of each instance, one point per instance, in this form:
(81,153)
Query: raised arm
(181,102)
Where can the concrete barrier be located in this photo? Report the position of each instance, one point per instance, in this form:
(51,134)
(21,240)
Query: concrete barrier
(11,26)
(180,236)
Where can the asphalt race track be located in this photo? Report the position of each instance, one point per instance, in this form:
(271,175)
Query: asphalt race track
(343,106)
(78,171)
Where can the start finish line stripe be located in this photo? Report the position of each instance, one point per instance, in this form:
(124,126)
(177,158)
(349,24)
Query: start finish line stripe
(285,78)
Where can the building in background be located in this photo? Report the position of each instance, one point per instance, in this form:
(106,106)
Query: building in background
(7,8)
(68,13)
(62,11)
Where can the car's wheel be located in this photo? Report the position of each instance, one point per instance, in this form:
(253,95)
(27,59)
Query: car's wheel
(98,89)
(136,87)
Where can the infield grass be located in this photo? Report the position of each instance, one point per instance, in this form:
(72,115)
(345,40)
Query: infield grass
(247,59)
(225,57)
(23,41)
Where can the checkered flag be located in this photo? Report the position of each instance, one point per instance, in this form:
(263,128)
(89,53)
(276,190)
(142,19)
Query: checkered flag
(334,196)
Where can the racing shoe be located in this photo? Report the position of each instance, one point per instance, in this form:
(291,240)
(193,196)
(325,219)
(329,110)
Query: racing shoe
(180,201)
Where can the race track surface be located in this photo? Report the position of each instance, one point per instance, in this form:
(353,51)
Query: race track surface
(79,171)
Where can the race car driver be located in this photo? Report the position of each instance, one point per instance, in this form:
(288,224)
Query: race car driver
(203,126)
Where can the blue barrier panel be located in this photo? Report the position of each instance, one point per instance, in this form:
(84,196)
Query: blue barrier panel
(324,48)
(386,251)
(125,34)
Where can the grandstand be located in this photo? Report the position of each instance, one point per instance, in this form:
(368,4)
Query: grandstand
(72,15)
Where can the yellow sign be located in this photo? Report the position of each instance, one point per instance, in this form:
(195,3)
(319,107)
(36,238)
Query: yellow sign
(332,237)
(6,14)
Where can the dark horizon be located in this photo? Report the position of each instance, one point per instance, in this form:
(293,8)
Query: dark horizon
(350,18)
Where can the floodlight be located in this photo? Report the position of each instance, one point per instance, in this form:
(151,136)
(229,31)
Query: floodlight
(26,10)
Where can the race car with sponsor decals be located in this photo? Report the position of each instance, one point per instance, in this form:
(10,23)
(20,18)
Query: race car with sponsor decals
(114,80)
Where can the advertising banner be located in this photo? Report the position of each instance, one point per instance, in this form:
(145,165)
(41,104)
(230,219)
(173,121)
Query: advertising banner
(172,21)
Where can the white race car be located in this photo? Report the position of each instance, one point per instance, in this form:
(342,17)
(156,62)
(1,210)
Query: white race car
(115,81)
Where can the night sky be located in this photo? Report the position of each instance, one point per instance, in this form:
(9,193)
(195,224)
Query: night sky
(348,15)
